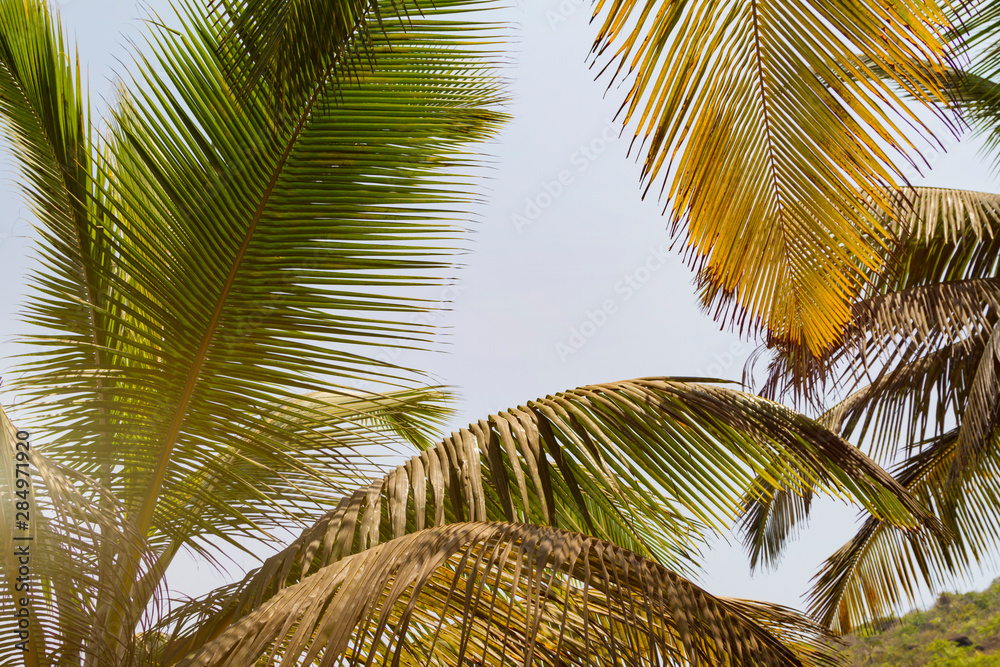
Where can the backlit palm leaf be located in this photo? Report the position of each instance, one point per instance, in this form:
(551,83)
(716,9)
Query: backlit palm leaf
(775,139)
(212,264)
(925,340)
(974,86)
(246,268)
(290,43)
(53,522)
(942,290)
(871,576)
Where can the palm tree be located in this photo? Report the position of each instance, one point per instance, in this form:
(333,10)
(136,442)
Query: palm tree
(270,192)
(916,370)
(919,369)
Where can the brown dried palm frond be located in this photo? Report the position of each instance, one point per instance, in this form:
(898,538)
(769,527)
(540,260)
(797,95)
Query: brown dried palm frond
(882,568)
(942,289)
(501,593)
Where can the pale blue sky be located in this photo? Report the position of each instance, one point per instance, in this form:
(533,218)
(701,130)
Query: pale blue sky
(592,267)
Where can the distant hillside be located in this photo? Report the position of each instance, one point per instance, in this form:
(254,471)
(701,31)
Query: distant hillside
(959,630)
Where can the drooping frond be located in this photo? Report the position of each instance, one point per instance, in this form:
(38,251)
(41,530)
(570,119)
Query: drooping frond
(771,520)
(981,416)
(892,413)
(919,358)
(882,568)
(776,140)
(390,422)
(915,396)
(645,463)
(942,290)
(974,86)
(495,593)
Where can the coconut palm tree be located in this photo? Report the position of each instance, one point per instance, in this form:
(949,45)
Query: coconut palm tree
(917,373)
(917,376)
(217,263)
(799,116)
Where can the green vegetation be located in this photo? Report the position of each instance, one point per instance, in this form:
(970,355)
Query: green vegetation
(221,259)
(960,629)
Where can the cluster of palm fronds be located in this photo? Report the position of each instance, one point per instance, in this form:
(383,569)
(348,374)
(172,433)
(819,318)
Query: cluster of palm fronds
(221,258)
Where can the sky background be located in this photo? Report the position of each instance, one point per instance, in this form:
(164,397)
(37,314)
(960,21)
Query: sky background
(592,266)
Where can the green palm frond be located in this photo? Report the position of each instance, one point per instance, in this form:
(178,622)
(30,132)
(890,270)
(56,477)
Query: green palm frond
(253,265)
(775,139)
(497,593)
(288,44)
(974,86)
(391,421)
(902,404)
(649,463)
(772,518)
(46,120)
(216,277)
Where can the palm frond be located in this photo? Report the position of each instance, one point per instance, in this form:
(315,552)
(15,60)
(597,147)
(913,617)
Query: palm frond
(981,416)
(776,141)
(251,266)
(771,520)
(646,462)
(904,403)
(289,44)
(916,355)
(942,290)
(882,568)
(390,421)
(241,261)
(919,394)
(974,85)
(498,593)
(46,121)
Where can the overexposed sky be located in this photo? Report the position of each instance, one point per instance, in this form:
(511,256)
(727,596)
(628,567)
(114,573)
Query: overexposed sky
(570,279)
